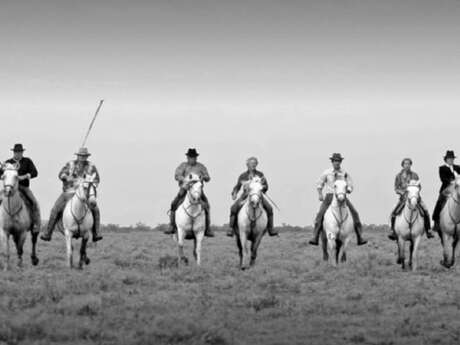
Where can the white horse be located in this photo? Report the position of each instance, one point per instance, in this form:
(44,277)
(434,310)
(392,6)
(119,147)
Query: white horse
(338,225)
(449,222)
(409,226)
(252,223)
(15,219)
(77,219)
(191,218)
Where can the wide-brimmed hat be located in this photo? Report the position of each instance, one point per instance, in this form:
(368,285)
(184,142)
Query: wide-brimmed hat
(18,148)
(336,157)
(83,151)
(192,153)
(450,154)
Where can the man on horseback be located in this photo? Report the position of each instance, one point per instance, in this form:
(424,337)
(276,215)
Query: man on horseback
(69,174)
(26,172)
(326,186)
(236,207)
(448,174)
(183,170)
(402,180)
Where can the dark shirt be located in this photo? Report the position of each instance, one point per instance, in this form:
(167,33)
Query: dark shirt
(26,166)
(447,176)
(246,176)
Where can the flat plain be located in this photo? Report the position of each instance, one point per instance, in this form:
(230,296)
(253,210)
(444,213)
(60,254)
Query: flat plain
(290,297)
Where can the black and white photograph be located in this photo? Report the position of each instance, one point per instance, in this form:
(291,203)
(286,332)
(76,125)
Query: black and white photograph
(229,172)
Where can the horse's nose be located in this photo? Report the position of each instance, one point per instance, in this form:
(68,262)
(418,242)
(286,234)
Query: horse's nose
(7,190)
(414,202)
(341,197)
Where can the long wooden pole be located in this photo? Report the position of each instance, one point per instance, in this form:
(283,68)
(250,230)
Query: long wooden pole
(92,122)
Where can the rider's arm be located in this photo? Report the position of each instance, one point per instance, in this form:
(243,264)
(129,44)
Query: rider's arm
(64,173)
(238,185)
(349,181)
(179,173)
(95,173)
(321,182)
(205,174)
(33,172)
(264,183)
(398,185)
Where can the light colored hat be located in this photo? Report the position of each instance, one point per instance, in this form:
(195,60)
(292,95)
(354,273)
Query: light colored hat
(83,151)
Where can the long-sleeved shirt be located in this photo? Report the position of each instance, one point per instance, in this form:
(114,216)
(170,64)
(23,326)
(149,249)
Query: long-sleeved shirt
(185,169)
(26,166)
(402,181)
(447,174)
(74,170)
(326,181)
(246,176)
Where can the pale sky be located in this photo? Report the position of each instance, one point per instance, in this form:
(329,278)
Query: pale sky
(287,81)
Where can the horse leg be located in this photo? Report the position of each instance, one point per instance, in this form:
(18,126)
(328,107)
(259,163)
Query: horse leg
(69,248)
(6,249)
(180,246)
(254,247)
(19,240)
(198,245)
(333,251)
(445,251)
(83,258)
(324,245)
(34,256)
(414,253)
(338,251)
(401,255)
(240,248)
(411,253)
(245,250)
(343,256)
(454,246)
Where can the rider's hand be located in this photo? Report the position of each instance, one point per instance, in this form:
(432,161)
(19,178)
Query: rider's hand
(321,197)
(234,196)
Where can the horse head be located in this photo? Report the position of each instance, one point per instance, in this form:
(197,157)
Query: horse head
(86,189)
(195,187)
(340,190)
(255,187)
(413,193)
(10,178)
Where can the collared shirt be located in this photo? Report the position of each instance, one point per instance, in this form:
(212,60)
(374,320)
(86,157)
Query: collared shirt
(328,178)
(247,176)
(185,169)
(26,166)
(74,170)
(402,181)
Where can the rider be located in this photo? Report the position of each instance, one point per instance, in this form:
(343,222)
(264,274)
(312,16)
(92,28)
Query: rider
(242,180)
(26,172)
(402,180)
(69,174)
(326,185)
(184,169)
(447,173)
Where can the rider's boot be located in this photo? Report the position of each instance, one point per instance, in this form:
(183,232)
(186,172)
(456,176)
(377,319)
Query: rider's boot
(392,236)
(231,226)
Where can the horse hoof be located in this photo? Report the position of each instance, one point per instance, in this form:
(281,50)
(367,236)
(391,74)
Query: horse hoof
(184,260)
(399,261)
(87,261)
(35,260)
(445,264)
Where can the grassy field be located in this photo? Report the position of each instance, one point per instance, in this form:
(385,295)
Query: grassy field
(290,297)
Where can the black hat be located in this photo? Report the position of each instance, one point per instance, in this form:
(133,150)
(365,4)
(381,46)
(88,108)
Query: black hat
(449,154)
(18,148)
(192,153)
(336,157)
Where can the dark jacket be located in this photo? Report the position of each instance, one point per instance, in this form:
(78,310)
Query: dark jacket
(26,166)
(447,176)
(244,177)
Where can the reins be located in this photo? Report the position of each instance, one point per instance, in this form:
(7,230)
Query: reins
(342,220)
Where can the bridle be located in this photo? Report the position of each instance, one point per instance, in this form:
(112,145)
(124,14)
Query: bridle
(13,191)
(341,218)
(254,217)
(88,193)
(193,202)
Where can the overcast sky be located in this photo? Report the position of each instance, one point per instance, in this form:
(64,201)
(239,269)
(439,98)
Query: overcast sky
(287,81)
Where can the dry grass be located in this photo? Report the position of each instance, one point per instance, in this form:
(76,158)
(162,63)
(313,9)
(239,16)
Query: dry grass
(133,293)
